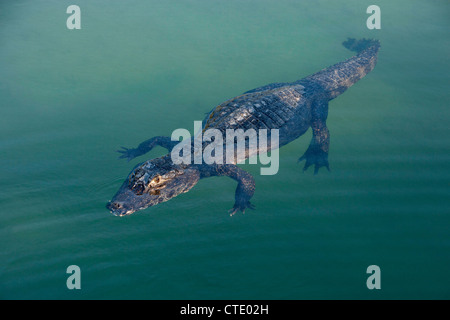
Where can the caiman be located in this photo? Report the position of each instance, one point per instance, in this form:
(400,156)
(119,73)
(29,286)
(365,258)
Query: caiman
(290,107)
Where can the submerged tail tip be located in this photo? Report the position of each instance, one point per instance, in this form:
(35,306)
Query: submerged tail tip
(360,45)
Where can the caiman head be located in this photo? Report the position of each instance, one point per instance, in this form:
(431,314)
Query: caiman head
(150,183)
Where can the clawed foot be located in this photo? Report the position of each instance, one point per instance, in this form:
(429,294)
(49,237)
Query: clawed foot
(240,207)
(128,154)
(316,157)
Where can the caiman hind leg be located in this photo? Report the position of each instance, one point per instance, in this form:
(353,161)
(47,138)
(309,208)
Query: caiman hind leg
(146,146)
(246,184)
(317,152)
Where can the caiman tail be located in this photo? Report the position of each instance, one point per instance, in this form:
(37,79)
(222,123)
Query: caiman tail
(334,80)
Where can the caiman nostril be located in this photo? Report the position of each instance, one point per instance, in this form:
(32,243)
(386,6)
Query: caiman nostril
(117,205)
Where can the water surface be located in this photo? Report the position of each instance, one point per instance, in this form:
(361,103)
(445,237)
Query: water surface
(136,69)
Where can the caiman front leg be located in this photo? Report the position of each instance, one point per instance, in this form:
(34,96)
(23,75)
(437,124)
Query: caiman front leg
(246,184)
(146,146)
(317,152)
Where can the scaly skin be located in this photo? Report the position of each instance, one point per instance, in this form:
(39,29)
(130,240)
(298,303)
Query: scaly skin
(292,108)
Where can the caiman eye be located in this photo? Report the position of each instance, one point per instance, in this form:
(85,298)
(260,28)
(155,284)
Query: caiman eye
(156,179)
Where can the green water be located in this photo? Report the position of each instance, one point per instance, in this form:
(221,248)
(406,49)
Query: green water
(136,69)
